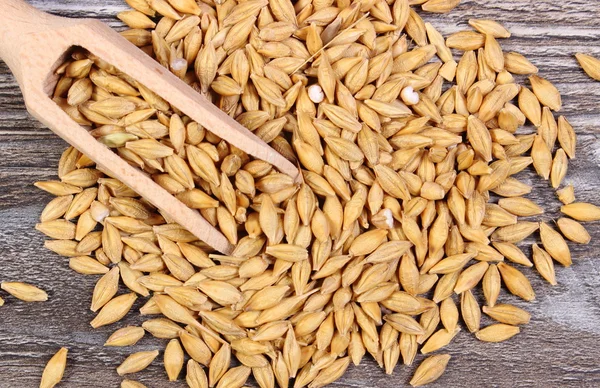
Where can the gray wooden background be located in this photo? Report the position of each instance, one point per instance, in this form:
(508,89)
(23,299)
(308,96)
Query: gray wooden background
(560,348)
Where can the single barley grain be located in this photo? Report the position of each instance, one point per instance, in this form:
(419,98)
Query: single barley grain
(25,292)
(430,370)
(54,370)
(137,362)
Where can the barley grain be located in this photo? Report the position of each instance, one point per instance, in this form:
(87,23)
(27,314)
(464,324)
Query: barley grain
(54,370)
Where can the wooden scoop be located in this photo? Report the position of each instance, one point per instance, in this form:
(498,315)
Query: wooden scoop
(34,44)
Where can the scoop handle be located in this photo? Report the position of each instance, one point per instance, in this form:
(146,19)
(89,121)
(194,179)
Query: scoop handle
(19,29)
(20,18)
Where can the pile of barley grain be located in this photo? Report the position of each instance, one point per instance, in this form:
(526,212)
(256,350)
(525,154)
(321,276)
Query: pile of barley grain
(401,149)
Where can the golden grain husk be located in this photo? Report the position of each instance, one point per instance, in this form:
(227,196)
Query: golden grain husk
(489,27)
(581,211)
(430,370)
(497,332)
(24,291)
(126,336)
(573,230)
(516,282)
(470,311)
(131,384)
(137,362)
(555,244)
(508,314)
(54,370)
(590,65)
(173,359)
(566,195)
(114,310)
(195,376)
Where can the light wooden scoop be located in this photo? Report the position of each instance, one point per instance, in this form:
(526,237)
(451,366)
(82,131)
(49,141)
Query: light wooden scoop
(34,44)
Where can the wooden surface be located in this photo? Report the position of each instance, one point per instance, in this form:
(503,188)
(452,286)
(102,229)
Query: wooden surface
(559,348)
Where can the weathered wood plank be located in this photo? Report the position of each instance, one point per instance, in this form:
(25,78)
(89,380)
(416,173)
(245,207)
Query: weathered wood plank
(558,349)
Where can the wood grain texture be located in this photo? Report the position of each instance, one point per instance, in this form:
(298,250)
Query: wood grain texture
(559,348)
